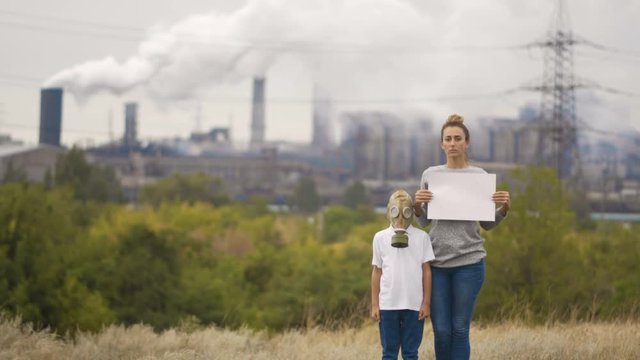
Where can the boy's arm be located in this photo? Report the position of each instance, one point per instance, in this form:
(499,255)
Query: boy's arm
(425,308)
(376,274)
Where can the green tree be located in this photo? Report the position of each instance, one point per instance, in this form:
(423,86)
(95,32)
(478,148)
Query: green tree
(302,289)
(189,188)
(257,205)
(89,182)
(305,196)
(36,237)
(356,195)
(531,258)
(213,290)
(13,174)
(145,278)
(613,270)
(338,221)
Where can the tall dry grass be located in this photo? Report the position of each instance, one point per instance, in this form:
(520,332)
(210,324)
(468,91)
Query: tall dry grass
(505,341)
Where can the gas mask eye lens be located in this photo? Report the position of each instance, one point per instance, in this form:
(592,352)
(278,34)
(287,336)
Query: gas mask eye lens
(394,211)
(407,212)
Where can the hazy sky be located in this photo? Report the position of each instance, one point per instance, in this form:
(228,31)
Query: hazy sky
(194,59)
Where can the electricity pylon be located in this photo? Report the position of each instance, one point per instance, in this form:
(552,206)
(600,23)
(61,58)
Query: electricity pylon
(557,143)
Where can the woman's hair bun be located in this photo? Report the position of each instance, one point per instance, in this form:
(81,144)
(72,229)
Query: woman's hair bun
(455,118)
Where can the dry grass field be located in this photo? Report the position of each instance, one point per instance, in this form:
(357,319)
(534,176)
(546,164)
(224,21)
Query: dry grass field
(506,341)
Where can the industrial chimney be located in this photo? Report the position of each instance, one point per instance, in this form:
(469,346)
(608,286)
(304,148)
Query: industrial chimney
(50,116)
(321,120)
(257,113)
(130,138)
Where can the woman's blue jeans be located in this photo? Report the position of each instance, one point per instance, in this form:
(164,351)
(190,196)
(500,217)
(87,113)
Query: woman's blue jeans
(400,329)
(453,296)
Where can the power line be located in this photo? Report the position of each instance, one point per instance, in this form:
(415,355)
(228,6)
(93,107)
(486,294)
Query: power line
(610,49)
(399,100)
(14,83)
(67,21)
(585,126)
(587,55)
(138,30)
(12,77)
(292,46)
(50,29)
(19,80)
(446,98)
(135,34)
(75,131)
(615,91)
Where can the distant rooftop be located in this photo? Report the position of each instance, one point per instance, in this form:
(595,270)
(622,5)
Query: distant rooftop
(10,149)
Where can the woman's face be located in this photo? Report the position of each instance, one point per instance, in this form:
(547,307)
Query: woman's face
(454,142)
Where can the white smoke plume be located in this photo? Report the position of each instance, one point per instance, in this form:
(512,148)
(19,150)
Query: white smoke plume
(359,49)
(217,48)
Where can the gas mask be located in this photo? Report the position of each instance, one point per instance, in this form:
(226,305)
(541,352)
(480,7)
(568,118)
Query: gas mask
(400,213)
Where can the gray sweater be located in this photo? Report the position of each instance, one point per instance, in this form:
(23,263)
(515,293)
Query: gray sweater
(456,243)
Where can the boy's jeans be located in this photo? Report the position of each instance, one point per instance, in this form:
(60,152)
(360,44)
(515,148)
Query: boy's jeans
(400,329)
(453,296)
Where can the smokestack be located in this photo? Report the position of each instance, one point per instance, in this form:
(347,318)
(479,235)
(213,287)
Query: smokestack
(50,116)
(130,125)
(321,120)
(257,113)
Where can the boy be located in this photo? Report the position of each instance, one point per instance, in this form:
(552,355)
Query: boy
(401,280)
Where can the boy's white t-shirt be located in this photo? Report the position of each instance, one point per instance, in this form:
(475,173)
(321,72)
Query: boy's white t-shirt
(401,281)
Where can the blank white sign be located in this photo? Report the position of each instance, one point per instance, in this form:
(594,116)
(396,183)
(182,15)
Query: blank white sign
(461,196)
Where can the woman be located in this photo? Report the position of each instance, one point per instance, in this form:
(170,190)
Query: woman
(458,269)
